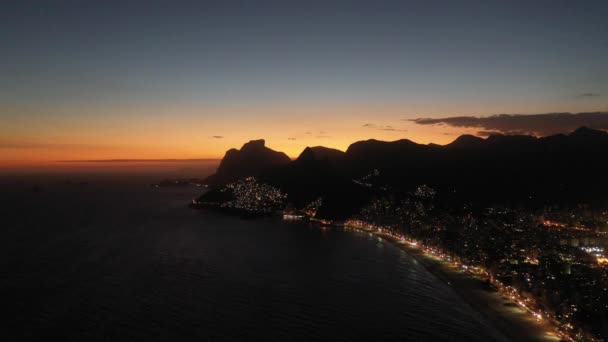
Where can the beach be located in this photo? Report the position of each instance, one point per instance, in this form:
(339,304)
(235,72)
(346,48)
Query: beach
(514,322)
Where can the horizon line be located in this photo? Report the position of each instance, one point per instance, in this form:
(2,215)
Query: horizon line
(126,160)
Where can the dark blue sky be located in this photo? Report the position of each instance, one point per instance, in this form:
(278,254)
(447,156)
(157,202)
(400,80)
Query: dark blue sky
(424,58)
(253,50)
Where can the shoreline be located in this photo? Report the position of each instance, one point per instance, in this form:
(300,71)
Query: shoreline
(501,312)
(512,322)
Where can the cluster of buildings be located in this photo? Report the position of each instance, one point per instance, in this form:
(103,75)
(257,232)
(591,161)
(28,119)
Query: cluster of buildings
(247,195)
(553,262)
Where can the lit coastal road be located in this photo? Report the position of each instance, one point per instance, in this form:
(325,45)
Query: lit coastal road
(515,322)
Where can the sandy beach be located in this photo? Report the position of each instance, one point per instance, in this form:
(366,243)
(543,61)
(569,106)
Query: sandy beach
(515,323)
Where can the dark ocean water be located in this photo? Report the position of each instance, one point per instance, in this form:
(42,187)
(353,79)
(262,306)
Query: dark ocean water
(119,260)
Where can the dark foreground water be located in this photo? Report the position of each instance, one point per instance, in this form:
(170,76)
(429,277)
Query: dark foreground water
(111,260)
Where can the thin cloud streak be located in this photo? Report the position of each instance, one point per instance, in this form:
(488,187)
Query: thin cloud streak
(534,124)
(43,145)
(383,127)
(584,95)
(138,160)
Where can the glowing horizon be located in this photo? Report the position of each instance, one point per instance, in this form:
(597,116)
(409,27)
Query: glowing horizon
(180,137)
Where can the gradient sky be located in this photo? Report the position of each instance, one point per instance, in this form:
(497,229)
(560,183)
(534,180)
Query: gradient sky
(173,79)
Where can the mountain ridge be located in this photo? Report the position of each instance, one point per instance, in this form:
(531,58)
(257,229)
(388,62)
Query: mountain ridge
(253,157)
(497,169)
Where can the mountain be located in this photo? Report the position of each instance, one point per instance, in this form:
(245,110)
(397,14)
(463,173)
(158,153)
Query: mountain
(500,169)
(251,160)
(320,153)
(377,148)
(317,173)
(465,141)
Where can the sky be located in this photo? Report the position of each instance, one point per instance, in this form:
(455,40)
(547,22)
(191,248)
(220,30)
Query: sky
(174,79)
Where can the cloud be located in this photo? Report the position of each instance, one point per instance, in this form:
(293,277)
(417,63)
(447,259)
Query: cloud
(6,144)
(137,160)
(13,144)
(383,128)
(488,133)
(217,137)
(323,135)
(535,124)
(584,95)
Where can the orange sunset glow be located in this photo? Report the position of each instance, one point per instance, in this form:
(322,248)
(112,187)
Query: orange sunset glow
(41,138)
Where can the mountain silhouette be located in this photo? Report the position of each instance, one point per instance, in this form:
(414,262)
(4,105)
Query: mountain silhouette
(252,159)
(466,141)
(500,169)
(319,153)
(317,172)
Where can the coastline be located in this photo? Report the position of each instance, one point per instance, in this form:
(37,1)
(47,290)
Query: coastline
(496,309)
(510,320)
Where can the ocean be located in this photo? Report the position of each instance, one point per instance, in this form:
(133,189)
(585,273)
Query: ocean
(106,258)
